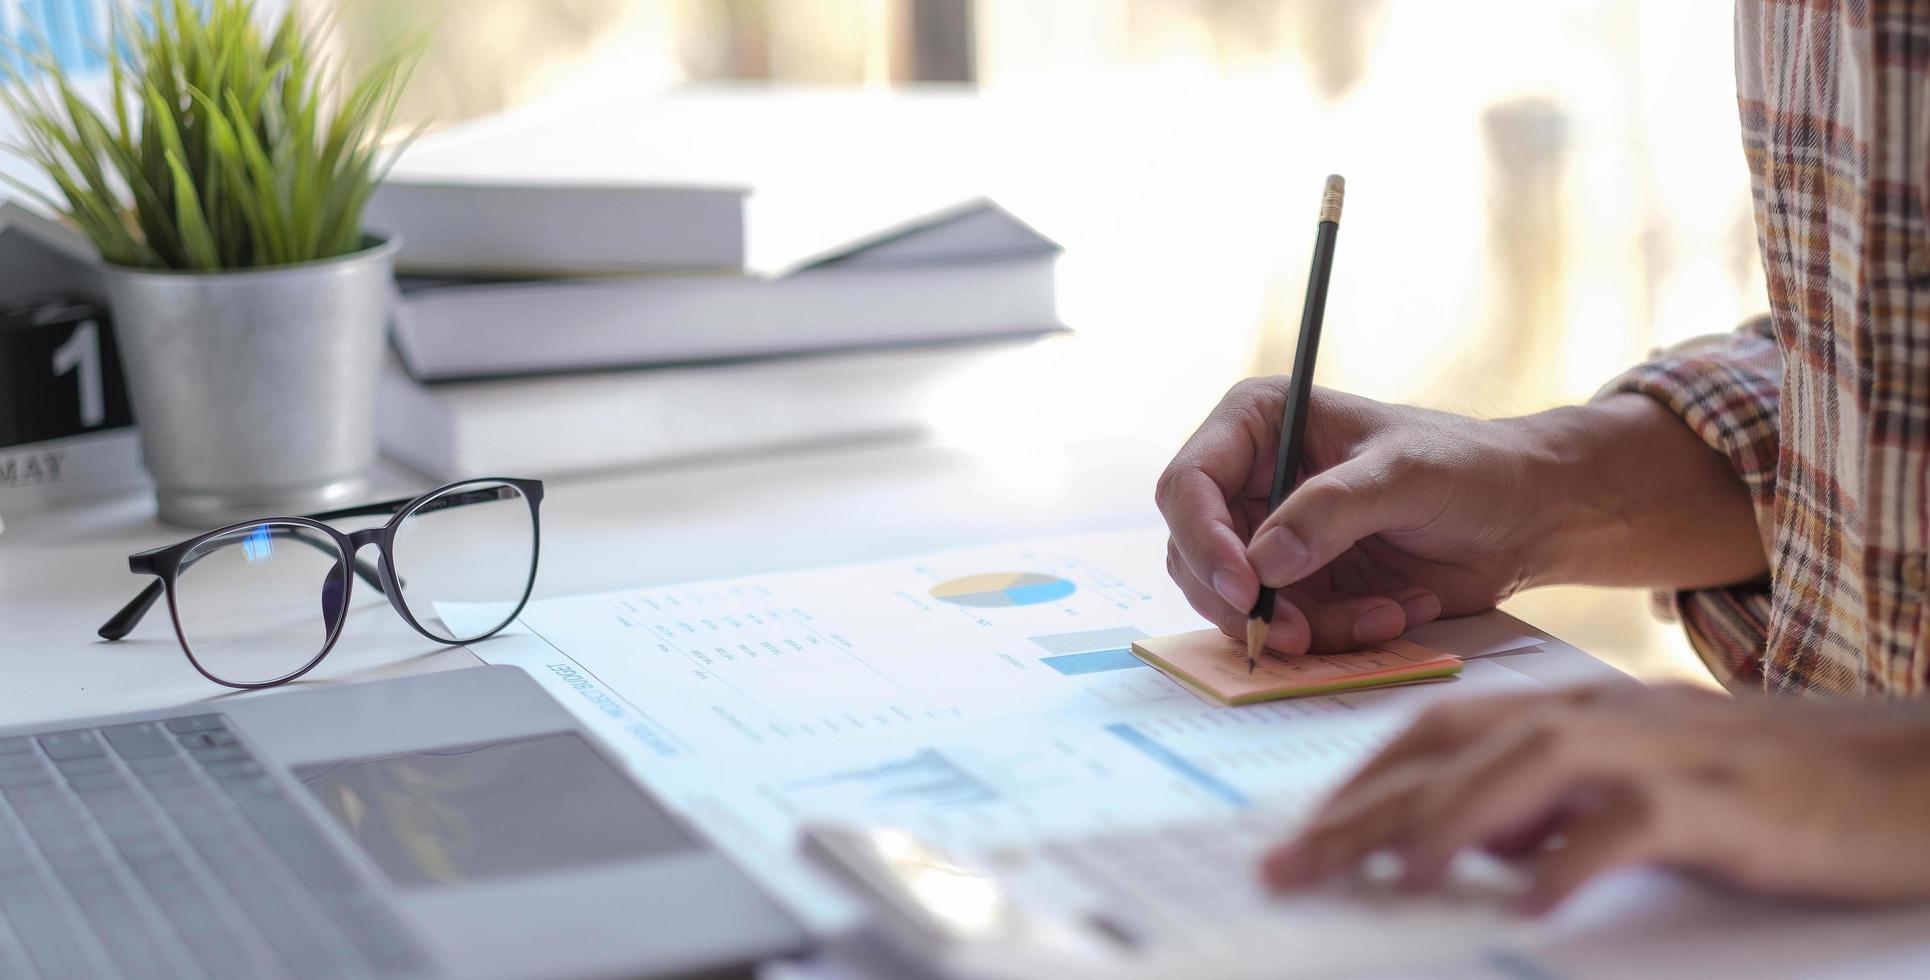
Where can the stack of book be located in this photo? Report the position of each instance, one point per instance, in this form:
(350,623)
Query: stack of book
(545,328)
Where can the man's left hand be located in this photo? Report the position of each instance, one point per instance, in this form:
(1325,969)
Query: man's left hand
(1800,798)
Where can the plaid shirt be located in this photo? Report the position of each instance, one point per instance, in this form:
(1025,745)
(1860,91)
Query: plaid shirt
(1823,407)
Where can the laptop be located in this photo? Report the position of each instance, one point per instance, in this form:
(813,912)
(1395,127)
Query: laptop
(455,824)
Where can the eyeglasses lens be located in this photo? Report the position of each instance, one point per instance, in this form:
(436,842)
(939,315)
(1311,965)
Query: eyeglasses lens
(258,603)
(472,546)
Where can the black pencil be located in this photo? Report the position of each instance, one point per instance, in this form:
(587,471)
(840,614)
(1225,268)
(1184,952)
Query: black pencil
(1293,416)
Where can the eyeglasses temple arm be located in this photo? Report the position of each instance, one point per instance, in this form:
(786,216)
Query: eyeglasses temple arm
(443,502)
(365,510)
(122,623)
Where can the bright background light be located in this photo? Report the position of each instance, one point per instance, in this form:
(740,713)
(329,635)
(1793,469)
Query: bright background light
(1539,191)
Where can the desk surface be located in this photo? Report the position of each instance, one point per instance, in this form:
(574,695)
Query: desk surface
(62,572)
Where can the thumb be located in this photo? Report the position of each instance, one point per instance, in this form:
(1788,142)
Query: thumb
(1325,516)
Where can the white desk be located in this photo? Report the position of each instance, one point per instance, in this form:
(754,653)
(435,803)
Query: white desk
(63,572)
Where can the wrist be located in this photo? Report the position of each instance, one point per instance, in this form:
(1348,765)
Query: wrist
(1578,514)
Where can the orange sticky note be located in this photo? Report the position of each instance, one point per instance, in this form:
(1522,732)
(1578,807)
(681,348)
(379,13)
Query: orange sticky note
(1212,664)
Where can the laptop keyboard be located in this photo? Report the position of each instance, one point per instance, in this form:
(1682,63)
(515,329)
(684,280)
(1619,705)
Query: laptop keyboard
(165,849)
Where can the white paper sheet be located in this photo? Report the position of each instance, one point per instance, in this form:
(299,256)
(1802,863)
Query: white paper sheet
(922,694)
(752,704)
(1475,636)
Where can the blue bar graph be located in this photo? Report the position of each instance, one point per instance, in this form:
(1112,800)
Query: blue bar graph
(1093,662)
(1090,651)
(925,779)
(1179,764)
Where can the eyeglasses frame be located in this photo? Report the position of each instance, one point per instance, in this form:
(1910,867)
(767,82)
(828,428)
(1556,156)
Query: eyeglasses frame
(166,564)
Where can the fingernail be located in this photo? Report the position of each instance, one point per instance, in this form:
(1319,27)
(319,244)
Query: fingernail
(1418,872)
(1233,590)
(1530,904)
(1379,623)
(1284,867)
(1279,556)
(1286,637)
(1421,607)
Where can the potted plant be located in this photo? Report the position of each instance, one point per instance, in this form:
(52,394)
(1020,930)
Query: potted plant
(223,183)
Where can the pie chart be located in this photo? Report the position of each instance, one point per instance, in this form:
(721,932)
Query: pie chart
(1003,589)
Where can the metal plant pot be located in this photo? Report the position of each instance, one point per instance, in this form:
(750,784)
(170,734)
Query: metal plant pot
(254,390)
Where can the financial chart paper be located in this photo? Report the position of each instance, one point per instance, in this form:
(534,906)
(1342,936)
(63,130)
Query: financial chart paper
(977,698)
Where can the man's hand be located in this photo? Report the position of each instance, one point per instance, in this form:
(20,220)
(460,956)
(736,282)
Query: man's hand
(1404,514)
(1809,799)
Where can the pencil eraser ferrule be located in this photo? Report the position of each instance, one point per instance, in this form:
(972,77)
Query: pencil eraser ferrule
(1331,199)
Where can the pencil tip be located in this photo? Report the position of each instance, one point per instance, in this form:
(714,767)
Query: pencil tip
(1256,640)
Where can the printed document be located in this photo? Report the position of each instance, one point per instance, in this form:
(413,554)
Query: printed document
(976,698)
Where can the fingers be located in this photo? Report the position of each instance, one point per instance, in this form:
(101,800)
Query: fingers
(1612,836)
(1230,457)
(1328,513)
(1420,808)
(1342,623)
(1306,621)
(1525,838)
(1203,536)
(1419,606)
(1230,451)
(1330,841)
(1585,782)
(1287,633)
(1463,777)
(1514,777)
(1440,730)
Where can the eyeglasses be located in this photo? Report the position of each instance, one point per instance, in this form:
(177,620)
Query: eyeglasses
(260,603)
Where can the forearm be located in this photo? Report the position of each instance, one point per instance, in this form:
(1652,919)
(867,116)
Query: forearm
(1632,497)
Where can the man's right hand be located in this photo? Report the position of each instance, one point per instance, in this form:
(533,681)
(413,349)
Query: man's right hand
(1401,515)
(1405,514)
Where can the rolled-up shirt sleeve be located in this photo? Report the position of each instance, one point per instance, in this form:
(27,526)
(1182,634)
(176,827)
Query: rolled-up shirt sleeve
(1728,390)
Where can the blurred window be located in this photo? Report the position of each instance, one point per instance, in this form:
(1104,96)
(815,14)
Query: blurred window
(74,31)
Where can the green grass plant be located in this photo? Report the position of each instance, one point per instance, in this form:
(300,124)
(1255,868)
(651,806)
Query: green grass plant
(224,145)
